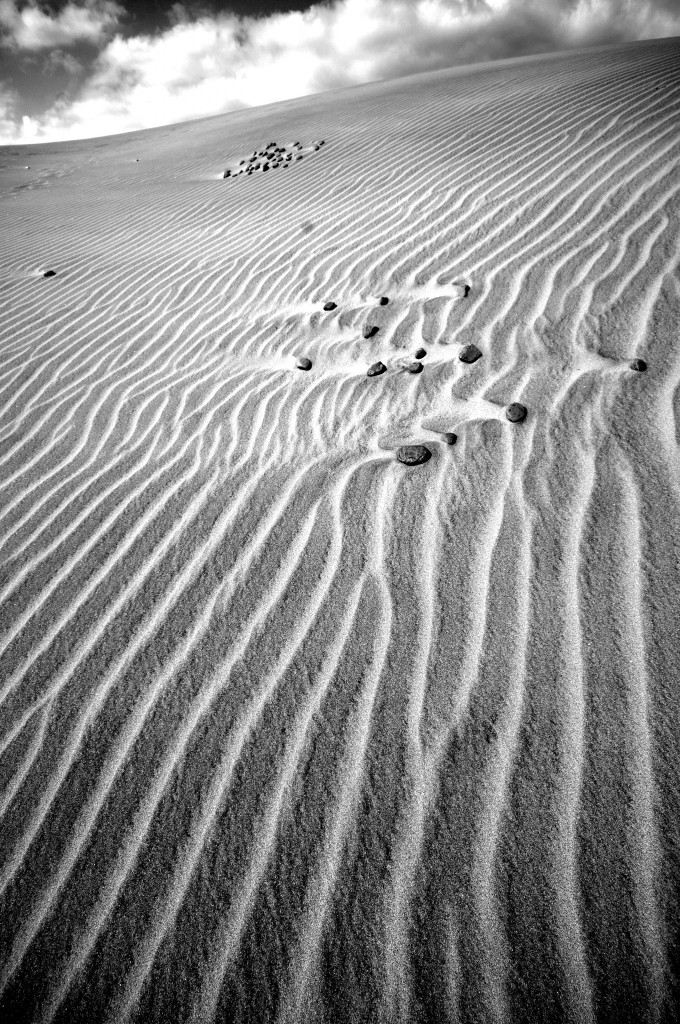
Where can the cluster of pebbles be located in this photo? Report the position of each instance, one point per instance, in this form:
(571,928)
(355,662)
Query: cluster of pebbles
(269,158)
(416,454)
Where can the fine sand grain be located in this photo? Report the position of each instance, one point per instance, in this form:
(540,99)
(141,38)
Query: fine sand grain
(292,730)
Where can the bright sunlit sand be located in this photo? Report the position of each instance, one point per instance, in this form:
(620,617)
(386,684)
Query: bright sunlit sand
(340,557)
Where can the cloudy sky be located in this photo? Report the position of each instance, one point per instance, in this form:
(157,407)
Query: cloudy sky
(83,68)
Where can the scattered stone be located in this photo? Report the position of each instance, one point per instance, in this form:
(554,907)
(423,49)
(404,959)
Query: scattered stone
(516,412)
(227,174)
(638,364)
(469,354)
(328,306)
(304,363)
(415,367)
(265,167)
(241,162)
(50,273)
(383,300)
(321,142)
(413,454)
(299,156)
(316,149)
(369,330)
(420,353)
(467,291)
(449,437)
(376,369)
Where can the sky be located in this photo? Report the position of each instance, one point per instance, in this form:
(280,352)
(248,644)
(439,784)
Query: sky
(74,69)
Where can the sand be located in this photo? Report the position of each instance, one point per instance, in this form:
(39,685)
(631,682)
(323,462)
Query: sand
(292,731)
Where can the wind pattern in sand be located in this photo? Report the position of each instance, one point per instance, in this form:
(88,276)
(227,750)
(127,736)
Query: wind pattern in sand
(291,731)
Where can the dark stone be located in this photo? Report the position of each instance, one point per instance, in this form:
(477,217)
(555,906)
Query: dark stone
(304,363)
(516,412)
(50,273)
(415,368)
(383,300)
(321,142)
(316,149)
(328,306)
(413,454)
(449,437)
(227,174)
(469,354)
(638,364)
(369,330)
(241,162)
(467,291)
(376,369)
(265,167)
(299,156)
(420,353)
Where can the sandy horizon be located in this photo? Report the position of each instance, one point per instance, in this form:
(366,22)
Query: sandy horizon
(293,730)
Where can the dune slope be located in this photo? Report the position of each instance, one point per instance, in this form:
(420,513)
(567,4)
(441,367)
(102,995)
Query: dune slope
(289,730)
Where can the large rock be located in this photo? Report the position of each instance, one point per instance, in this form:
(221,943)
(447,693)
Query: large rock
(375,369)
(516,412)
(369,330)
(469,354)
(413,454)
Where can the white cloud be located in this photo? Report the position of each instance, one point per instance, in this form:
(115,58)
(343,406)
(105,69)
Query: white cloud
(219,62)
(30,28)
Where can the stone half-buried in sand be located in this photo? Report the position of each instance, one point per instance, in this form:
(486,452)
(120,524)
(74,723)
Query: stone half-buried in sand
(516,412)
(415,367)
(469,354)
(303,363)
(369,330)
(375,369)
(328,306)
(639,365)
(413,454)
(449,437)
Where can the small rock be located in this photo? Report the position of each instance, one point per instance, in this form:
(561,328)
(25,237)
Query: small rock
(227,174)
(467,291)
(415,367)
(449,437)
(299,156)
(516,412)
(265,167)
(469,354)
(413,454)
(369,330)
(241,162)
(383,300)
(328,306)
(638,364)
(376,369)
(316,149)
(50,273)
(321,142)
(304,363)
(420,353)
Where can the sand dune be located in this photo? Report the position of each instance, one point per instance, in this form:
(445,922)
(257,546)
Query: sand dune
(289,730)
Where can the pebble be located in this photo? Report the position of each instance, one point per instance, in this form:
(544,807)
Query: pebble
(516,412)
(369,330)
(638,364)
(449,437)
(50,273)
(304,363)
(375,369)
(420,353)
(469,354)
(328,306)
(415,367)
(413,454)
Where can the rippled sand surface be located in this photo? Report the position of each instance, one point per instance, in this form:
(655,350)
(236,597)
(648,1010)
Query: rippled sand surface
(291,731)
